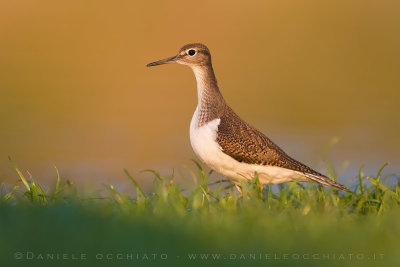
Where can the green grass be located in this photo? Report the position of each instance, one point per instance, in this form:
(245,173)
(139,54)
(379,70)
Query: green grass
(305,225)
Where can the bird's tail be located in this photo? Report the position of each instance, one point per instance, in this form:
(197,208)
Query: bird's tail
(321,179)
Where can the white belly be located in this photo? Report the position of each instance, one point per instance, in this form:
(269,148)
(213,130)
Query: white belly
(205,145)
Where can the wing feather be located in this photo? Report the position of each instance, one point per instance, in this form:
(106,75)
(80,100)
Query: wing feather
(246,144)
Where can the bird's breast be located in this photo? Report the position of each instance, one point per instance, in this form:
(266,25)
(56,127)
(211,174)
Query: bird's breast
(204,139)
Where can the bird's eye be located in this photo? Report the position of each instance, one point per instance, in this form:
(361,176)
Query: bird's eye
(192,52)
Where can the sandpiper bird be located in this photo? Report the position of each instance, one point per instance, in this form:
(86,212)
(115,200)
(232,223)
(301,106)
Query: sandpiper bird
(226,143)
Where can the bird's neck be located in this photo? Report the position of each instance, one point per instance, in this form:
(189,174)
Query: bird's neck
(210,100)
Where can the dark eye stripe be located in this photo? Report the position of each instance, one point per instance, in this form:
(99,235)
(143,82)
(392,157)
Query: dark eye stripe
(192,52)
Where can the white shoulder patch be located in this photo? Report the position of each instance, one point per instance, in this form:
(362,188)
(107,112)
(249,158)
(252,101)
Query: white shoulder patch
(204,139)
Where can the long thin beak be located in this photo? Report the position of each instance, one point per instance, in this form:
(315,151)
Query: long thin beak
(162,61)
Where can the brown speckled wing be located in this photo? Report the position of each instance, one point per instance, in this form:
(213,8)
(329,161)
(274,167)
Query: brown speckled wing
(246,144)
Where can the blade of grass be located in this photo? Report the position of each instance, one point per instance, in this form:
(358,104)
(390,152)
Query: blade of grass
(136,185)
(360,175)
(202,174)
(378,177)
(21,176)
(11,193)
(58,189)
(156,174)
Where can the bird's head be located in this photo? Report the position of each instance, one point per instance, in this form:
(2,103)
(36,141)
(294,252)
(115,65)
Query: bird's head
(192,55)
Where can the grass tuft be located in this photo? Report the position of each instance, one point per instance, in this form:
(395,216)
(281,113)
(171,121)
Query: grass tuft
(209,217)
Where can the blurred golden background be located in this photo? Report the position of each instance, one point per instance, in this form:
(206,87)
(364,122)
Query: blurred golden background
(75,92)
